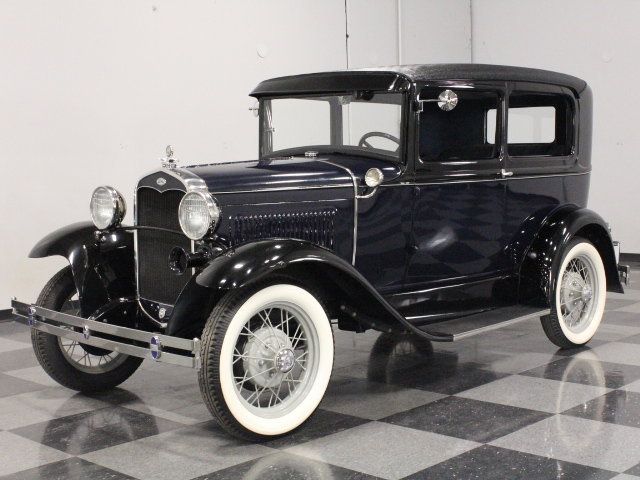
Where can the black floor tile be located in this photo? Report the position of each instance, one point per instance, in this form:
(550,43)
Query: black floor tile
(466,418)
(587,372)
(569,352)
(634,471)
(443,377)
(95,430)
(492,463)
(619,406)
(70,468)
(320,424)
(517,340)
(279,466)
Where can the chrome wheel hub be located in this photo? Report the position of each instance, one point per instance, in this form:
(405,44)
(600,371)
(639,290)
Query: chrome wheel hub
(260,361)
(273,360)
(285,360)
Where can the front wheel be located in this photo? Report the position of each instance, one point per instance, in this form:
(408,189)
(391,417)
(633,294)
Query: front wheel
(72,364)
(267,356)
(580,293)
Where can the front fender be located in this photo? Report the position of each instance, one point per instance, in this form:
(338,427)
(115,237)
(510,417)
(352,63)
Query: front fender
(103,267)
(343,287)
(64,241)
(542,260)
(255,260)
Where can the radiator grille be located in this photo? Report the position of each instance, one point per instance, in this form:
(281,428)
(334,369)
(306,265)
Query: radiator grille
(155,280)
(315,226)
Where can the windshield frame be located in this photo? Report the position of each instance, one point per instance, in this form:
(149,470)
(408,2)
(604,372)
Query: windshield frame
(265,150)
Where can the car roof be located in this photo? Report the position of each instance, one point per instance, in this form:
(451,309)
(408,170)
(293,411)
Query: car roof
(399,78)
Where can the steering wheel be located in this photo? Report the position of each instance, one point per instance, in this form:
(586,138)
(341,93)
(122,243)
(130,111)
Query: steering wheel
(363,141)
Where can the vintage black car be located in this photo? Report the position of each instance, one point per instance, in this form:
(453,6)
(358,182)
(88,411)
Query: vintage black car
(442,200)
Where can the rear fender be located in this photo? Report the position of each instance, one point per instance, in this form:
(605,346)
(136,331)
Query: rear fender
(102,266)
(541,262)
(345,291)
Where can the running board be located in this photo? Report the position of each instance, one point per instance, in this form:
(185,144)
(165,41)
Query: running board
(482,322)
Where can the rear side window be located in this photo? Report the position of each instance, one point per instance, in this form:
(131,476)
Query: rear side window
(468,132)
(539,124)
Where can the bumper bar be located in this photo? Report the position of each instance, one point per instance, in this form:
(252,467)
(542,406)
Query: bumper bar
(128,341)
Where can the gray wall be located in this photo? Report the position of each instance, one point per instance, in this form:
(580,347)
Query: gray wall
(598,41)
(92,91)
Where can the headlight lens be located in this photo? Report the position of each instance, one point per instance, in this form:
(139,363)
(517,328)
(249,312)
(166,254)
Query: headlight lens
(108,208)
(198,212)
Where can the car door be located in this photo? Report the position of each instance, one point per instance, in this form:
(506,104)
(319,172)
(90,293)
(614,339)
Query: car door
(458,238)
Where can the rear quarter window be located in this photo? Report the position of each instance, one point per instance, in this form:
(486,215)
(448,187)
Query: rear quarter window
(539,124)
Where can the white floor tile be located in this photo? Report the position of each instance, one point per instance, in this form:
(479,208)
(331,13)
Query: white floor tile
(534,393)
(598,444)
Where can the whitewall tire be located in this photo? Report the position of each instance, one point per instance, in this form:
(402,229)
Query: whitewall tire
(579,296)
(267,356)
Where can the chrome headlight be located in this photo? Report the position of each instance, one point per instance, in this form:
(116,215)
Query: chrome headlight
(108,208)
(198,212)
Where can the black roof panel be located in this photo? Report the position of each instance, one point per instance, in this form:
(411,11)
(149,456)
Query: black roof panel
(398,77)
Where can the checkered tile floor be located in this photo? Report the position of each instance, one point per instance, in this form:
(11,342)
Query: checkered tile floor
(504,405)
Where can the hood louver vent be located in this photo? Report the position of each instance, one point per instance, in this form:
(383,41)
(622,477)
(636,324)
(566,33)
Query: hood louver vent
(313,226)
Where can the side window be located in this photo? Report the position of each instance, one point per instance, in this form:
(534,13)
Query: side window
(468,132)
(539,124)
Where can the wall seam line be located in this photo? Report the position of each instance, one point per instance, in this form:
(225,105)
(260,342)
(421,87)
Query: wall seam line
(471,31)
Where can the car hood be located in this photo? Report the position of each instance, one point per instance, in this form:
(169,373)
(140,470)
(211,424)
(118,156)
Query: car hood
(290,173)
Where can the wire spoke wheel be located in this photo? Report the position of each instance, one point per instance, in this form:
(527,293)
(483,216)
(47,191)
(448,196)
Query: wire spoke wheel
(267,353)
(86,358)
(577,290)
(579,296)
(273,358)
(71,363)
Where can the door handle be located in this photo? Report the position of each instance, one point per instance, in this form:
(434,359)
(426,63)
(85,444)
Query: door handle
(505,173)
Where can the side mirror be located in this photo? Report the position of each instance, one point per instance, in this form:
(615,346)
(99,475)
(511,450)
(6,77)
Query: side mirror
(447,100)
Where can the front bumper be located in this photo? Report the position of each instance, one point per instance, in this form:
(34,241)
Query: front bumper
(128,341)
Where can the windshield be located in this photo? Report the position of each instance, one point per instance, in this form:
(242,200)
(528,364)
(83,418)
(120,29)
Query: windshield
(363,123)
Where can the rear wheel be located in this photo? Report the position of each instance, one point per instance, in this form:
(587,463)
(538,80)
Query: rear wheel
(267,359)
(579,297)
(72,364)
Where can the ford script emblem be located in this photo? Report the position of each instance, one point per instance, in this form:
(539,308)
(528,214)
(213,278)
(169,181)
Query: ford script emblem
(161,181)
